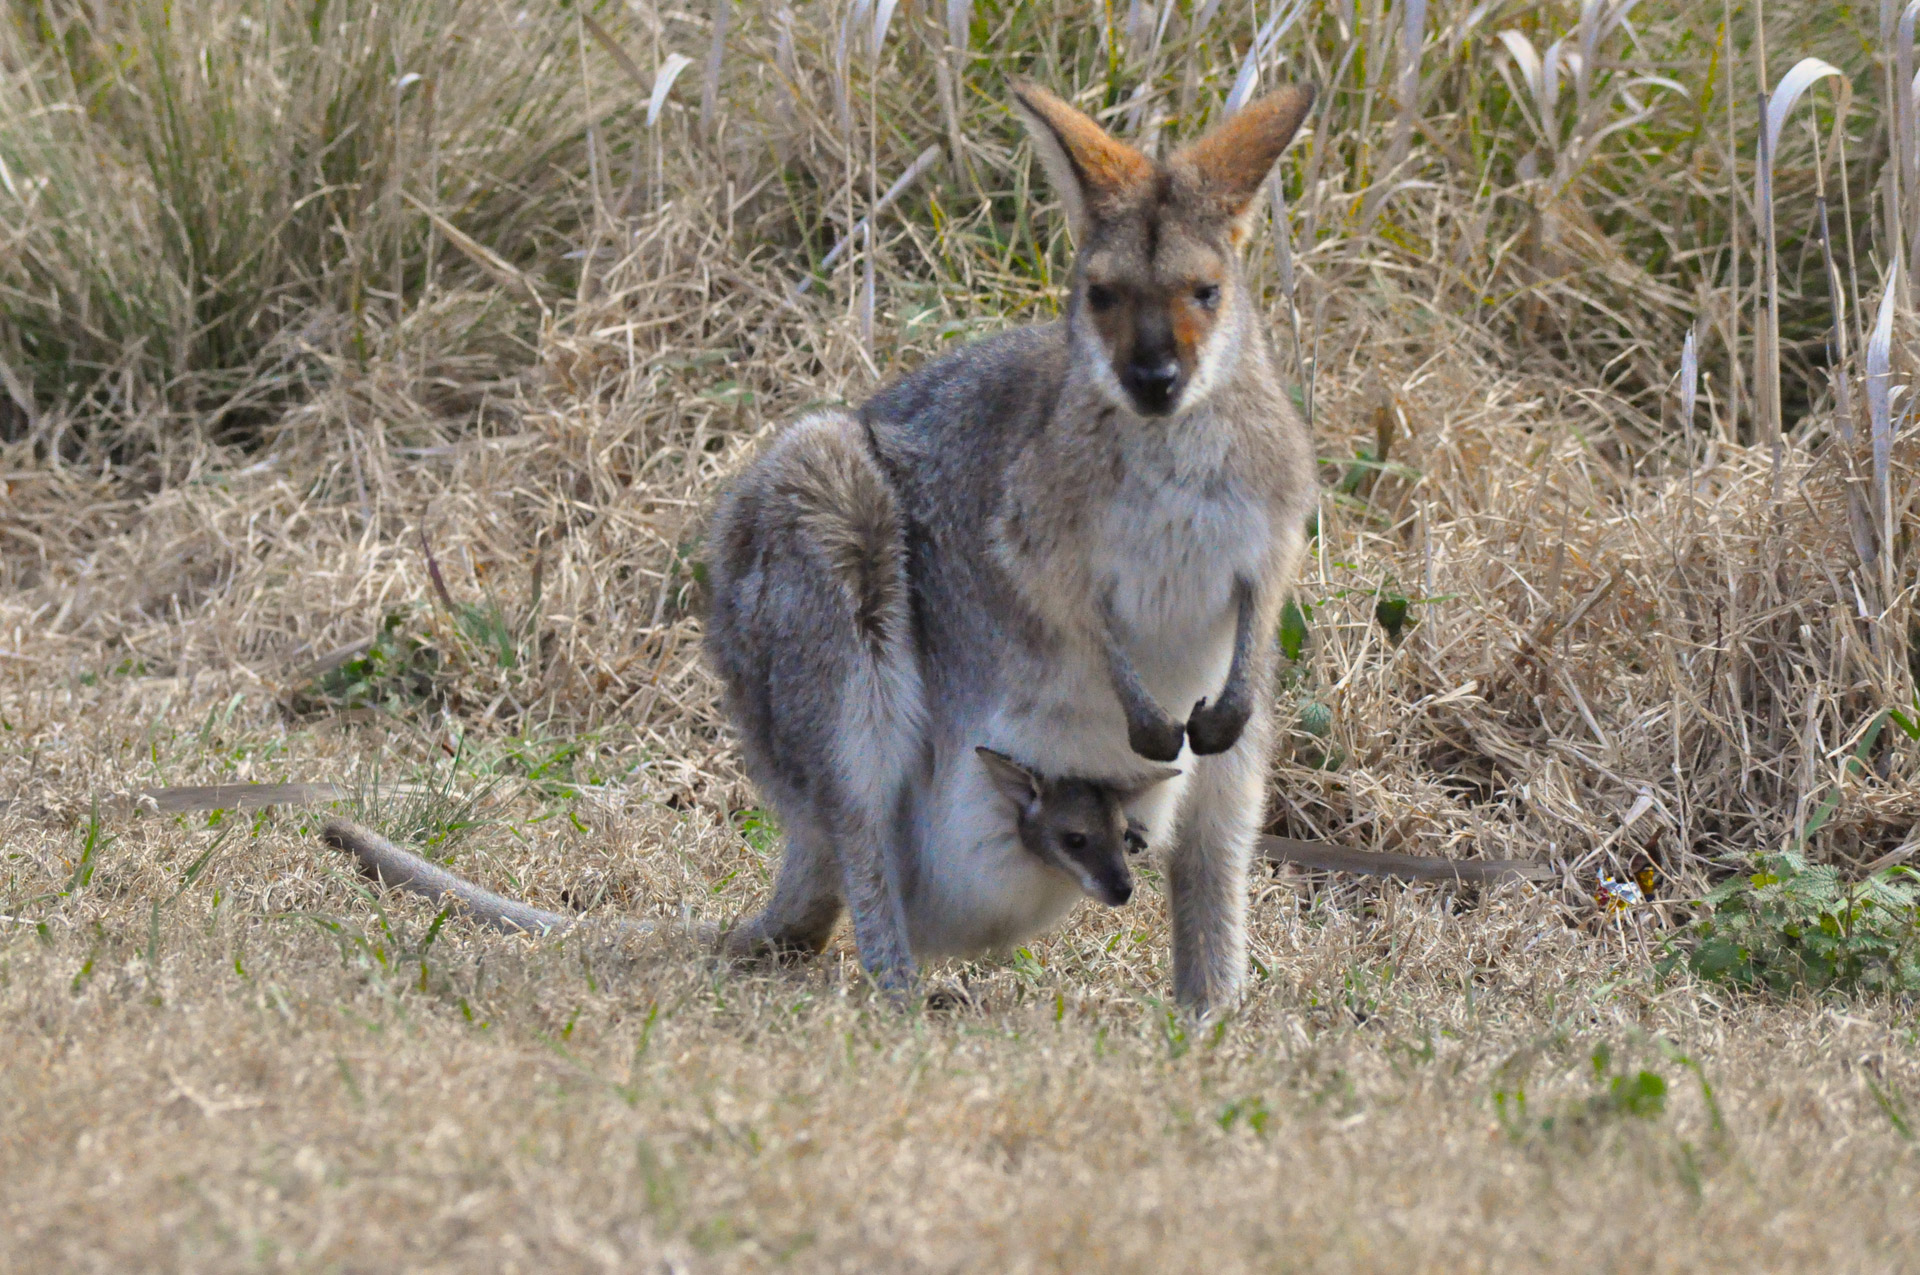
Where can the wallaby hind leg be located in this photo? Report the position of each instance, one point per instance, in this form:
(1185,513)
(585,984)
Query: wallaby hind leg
(879,921)
(811,629)
(1207,868)
(876,751)
(806,902)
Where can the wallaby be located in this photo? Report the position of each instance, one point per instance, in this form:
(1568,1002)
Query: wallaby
(1079,826)
(1049,543)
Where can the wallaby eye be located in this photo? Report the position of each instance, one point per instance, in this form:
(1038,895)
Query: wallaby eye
(1100,296)
(1207,294)
(1074,840)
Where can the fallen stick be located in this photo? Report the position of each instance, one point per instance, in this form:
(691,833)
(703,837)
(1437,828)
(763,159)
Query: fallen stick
(1407,867)
(193,798)
(404,870)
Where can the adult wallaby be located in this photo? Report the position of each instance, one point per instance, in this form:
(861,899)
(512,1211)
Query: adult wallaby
(1070,542)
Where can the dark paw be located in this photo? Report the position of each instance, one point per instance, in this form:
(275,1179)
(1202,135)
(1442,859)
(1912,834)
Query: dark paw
(1157,740)
(1216,729)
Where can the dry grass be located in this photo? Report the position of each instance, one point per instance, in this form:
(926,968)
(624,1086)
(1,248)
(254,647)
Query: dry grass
(1631,641)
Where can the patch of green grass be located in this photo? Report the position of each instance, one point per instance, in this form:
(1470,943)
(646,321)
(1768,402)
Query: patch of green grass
(396,673)
(433,811)
(1623,1094)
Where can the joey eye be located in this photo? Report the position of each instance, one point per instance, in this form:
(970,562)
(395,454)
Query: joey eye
(1207,294)
(1100,296)
(1074,840)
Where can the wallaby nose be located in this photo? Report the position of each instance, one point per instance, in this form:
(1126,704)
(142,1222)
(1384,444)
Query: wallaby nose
(1153,383)
(1118,892)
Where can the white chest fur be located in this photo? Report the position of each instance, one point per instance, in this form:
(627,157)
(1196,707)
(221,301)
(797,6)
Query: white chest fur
(1178,532)
(1180,528)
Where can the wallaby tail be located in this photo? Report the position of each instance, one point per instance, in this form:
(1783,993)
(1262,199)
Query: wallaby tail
(402,869)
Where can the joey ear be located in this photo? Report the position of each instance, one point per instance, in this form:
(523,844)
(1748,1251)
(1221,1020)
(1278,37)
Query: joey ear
(1015,782)
(1093,173)
(1146,783)
(1231,162)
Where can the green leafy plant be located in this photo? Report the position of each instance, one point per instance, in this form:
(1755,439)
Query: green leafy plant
(393,673)
(1786,923)
(1390,610)
(758,829)
(1295,620)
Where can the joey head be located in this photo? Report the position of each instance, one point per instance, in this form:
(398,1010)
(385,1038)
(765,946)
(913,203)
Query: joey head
(1077,826)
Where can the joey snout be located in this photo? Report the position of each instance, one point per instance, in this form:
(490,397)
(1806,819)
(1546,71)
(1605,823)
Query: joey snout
(1113,889)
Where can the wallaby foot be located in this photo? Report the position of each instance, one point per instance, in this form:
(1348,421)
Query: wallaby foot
(885,956)
(799,919)
(760,938)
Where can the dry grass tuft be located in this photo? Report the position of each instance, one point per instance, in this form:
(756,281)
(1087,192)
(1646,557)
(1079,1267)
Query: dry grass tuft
(455,569)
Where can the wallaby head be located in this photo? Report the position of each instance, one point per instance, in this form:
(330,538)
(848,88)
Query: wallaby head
(1159,299)
(1078,826)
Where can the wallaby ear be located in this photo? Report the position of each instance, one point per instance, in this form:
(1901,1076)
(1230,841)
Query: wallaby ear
(1231,162)
(1015,782)
(1093,173)
(1146,783)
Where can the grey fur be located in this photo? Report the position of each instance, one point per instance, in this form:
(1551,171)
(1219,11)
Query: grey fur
(1032,545)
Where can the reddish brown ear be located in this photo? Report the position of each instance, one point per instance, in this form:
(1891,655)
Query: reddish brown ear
(1232,161)
(1094,174)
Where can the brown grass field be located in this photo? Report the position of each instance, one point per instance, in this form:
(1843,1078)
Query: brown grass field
(405,495)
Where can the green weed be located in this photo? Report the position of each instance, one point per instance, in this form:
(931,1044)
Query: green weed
(433,813)
(1783,924)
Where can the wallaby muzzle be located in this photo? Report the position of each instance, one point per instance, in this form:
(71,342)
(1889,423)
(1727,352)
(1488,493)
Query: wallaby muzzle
(1153,377)
(1153,387)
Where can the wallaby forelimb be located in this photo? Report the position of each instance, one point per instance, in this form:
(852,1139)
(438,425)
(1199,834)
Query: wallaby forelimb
(1216,727)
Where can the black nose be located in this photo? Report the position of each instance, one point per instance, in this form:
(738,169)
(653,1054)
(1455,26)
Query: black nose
(1118,892)
(1153,383)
